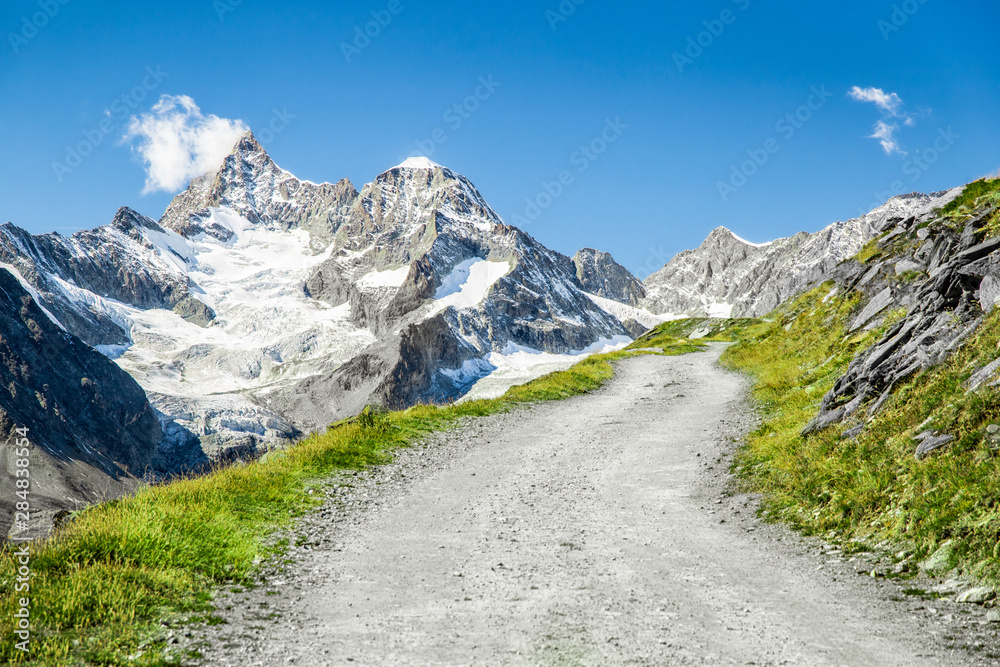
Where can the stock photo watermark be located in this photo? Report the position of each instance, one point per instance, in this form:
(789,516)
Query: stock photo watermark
(364,34)
(655,260)
(699,43)
(33,23)
(280,120)
(915,167)
(581,159)
(22,517)
(118,111)
(562,13)
(786,127)
(223,7)
(901,15)
(457,114)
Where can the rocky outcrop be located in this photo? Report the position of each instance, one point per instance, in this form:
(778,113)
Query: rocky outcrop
(90,428)
(600,274)
(727,276)
(941,289)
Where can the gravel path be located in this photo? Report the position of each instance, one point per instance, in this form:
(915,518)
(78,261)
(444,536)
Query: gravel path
(600,530)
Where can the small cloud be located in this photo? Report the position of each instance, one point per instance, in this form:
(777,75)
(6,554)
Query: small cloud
(888,102)
(891,106)
(177,142)
(886,134)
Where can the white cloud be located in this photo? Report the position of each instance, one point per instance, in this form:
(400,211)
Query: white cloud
(888,102)
(891,106)
(177,142)
(886,134)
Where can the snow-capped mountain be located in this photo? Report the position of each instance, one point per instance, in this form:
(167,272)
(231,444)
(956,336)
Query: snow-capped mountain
(262,305)
(730,277)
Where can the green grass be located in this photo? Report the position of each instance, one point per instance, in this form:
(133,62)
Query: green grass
(870,251)
(871,491)
(972,197)
(102,585)
(678,332)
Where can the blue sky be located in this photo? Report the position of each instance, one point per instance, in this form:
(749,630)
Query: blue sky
(683,107)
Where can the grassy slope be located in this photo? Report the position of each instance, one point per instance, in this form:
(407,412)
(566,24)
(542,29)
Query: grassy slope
(103,584)
(872,490)
(984,194)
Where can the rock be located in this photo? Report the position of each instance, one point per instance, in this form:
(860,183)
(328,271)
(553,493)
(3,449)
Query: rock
(977,595)
(906,266)
(194,311)
(993,616)
(756,278)
(881,301)
(933,443)
(984,375)
(939,562)
(989,293)
(993,429)
(852,433)
(600,274)
(950,587)
(634,327)
(90,427)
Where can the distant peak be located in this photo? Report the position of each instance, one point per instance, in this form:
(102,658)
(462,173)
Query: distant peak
(419,162)
(728,233)
(247,143)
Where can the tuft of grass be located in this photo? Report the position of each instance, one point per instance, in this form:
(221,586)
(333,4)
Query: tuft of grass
(676,333)
(871,490)
(101,585)
(972,197)
(870,251)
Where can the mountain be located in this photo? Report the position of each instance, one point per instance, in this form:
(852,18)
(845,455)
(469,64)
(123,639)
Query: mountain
(600,274)
(261,306)
(90,430)
(730,277)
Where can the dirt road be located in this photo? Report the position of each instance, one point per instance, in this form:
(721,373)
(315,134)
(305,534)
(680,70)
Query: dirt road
(594,531)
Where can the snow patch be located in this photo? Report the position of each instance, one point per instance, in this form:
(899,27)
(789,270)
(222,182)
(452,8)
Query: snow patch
(745,242)
(517,364)
(470,371)
(391,278)
(720,310)
(468,284)
(418,162)
(29,288)
(624,312)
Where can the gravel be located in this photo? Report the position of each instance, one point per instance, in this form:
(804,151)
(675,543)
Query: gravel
(600,530)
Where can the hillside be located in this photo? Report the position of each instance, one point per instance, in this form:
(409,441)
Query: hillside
(728,276)
(880,393)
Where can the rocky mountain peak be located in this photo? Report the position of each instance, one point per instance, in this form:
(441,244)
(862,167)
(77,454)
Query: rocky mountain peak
(418,162)
(127,220)
(250,183)
(600,274)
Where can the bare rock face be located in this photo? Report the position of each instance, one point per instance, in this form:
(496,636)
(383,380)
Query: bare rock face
(90,428)
(116,262)
(600,274)
(727,276)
